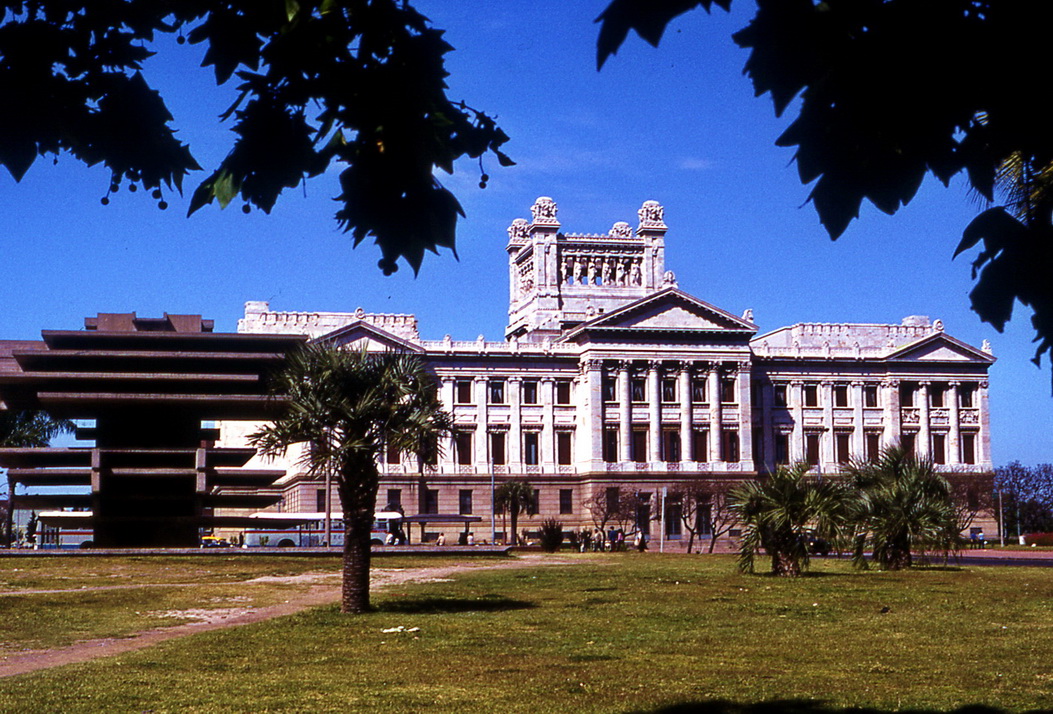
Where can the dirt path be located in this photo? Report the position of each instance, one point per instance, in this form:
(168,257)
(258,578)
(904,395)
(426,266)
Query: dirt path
(324,589)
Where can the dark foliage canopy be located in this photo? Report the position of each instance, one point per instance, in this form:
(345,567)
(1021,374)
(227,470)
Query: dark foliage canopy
(359,83)
(891,90)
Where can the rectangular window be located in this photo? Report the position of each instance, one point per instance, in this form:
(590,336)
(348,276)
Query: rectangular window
(319,500)
(638,388)
(462,442)
(534,507)
(700,445)
(498,453)
(906,394)
(464,391)
(643,512)
(782,448)
(563,391)
(610,390)
(780,395)
(755,394)
(840,395)
(670,445)
(758,444)
(870,395)
(842,447)
(968,448)
(639,445)
(668,390)
(612,495)
(698,391)
(674,513)
(496,389)
(431,451)
(965,396)
(564,454)
(907,442)
(566,501)
(531,439)
(431,501)
(811,395)
(704,520)
(394,499)
(610,445)
(873,446)
(464,501)
(811,449)
(392,454)
(936,395)
(529,391)
(727,390)
(729,446)
(939,448)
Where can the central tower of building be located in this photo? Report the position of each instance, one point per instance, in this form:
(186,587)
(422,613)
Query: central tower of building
(560,280)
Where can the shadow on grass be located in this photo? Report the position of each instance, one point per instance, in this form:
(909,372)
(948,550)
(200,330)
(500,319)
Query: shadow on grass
(426,605)
(807,706)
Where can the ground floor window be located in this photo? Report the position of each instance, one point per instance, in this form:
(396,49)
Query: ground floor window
(811,449)
(968,446)
(464,502)
(430,500)
(843,447)
(674,510)
(566,501)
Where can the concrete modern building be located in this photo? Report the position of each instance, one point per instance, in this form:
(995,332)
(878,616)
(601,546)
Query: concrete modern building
(612,380)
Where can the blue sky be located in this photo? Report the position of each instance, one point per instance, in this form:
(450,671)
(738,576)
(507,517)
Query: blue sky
(678,124)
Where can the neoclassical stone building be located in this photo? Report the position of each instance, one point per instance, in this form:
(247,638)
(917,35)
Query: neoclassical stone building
(611,377)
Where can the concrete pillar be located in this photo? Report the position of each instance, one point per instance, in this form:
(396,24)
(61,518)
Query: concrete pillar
(954,454)
(654,413)
(593,435)
(625,411)
(797,407)
(684,388)
(890,403)
(513,452)
(983,436)
(767,425)
(923,444)
(715,413)
(858,442)
(480,449)
(826,399)
(742,384)
(447,459)
(548,425)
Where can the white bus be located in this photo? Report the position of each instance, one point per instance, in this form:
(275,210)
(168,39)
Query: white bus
(289,530)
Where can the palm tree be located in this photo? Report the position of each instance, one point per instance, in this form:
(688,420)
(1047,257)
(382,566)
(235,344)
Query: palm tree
(26,428)
(516,497)
(348,406)
(778,511)
(903,505)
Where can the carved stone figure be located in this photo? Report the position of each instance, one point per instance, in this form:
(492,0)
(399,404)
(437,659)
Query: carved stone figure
(519,230)
(592,273)
(748,315)
(634,276)
(669,279)
(620,266)
(651,214)
(605,272)
(621,229)
(579,270)
(544,210)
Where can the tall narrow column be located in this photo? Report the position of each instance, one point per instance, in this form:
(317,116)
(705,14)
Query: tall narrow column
(654,413)
(954,453)
(548,426)
(923,444)
(684,388)
(715,414)
(768,427)
(858,445)
(513,453)
(742,384)
(447,459)
(797,406)
(480,448)
(625,412)
(893,432)
(593,436)
(827,400)
(983,438)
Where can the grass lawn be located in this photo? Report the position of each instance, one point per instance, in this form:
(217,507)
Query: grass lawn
(613,633)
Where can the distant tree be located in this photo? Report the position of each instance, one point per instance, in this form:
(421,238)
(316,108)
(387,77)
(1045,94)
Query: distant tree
(902,506)
(971,495)
(891,91)
(1027,493)
(25,428)
(514,497)
(349,406)
(777,512)
(356,83)
(604,508)
(705,507)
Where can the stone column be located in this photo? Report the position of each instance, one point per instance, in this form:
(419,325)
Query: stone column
(826,453)
(768,426)
(742,384)
(893,431)
(797,407)
(480,448)
(923,444)
(715,413)
(858,443)
(593,436)
(513,452)
(625,411)
(684,387)
(548,425)
(447,459)
(954,454)
(654,413)
(983,436)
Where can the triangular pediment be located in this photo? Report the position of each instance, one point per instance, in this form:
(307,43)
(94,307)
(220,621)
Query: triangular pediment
(940,348)
(669,311)
(363,335)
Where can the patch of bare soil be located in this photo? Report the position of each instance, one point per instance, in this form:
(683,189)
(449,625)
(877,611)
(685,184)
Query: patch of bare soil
(324,589)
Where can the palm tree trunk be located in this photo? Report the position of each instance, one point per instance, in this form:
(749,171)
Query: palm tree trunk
(354,595)
(515,523)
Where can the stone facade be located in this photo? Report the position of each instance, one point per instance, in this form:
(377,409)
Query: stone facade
(612,377)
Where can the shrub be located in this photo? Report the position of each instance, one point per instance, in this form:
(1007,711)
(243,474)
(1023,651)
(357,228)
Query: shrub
(551,535)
